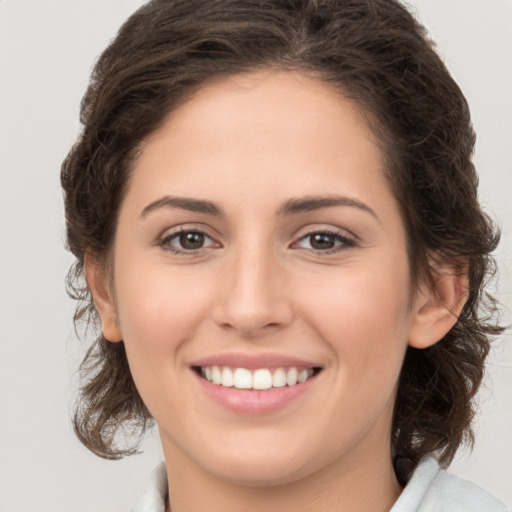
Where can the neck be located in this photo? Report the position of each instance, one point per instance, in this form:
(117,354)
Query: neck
(353,484)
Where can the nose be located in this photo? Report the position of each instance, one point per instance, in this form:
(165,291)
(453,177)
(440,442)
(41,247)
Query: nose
(252,299)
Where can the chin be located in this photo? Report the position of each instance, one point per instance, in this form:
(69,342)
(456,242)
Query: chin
(263,473)
(265,463)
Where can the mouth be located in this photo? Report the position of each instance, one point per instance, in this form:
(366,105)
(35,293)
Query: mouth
(259,379)
(256,384)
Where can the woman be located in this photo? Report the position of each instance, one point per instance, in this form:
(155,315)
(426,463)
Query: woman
(274,208)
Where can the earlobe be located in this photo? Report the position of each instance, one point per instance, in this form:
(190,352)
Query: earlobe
(437,307)
(98,284)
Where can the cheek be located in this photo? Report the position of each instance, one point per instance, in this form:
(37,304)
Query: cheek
(159,310)
(373,297)
(364,317)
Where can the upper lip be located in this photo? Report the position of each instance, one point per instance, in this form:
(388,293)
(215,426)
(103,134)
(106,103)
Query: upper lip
(253,361)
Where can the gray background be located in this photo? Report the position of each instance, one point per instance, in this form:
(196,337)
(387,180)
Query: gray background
(47,48)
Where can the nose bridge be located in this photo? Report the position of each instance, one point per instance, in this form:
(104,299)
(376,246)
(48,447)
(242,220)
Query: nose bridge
(253,297)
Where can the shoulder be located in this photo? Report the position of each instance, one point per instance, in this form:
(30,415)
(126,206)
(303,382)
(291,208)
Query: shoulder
(431,489)
(153,496)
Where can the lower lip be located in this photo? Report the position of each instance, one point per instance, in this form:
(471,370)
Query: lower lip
(255,402)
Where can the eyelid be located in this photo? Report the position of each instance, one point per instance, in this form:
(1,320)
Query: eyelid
(170,233)
(344,236)
(188,226)
(324,228)
(348,239)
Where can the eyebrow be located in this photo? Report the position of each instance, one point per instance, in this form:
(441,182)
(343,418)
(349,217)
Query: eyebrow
(293,206)
(184,203)
(311,203)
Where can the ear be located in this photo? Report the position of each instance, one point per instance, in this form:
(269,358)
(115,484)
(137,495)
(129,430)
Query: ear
(103,298)
(437,306)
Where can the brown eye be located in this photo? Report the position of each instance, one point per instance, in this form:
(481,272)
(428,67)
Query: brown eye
(325,242)
(191,240)
(322,241)
(183,241)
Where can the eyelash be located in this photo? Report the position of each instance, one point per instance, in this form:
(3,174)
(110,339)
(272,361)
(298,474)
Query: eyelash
(165,241)
(345,242)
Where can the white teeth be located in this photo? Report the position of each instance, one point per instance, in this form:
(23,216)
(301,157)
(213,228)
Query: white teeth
(261,379)
(303,375)
(291,377)
(227,378)
(216,375)
(243,379)
(279,378)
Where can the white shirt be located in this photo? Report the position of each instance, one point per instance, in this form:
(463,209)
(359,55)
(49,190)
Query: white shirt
(430,489)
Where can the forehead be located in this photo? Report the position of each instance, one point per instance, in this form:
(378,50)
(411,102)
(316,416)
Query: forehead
(265,98)
(260,121)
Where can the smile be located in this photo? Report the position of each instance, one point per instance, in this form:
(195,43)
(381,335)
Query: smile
(256,384)
(259,379)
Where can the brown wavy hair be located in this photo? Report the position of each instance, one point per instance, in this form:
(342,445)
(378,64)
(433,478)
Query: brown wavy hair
(377,54)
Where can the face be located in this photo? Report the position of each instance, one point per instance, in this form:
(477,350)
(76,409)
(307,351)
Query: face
(261,282)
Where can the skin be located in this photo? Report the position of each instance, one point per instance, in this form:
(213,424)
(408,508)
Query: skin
(249,144)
